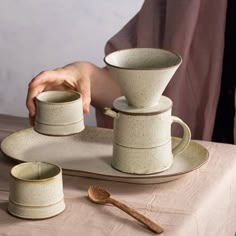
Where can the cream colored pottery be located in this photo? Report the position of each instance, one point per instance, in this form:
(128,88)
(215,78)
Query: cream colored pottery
(59,113)
(143,73)
(89,154)
(142,160)
(36,190)
(144,128)
(142,137)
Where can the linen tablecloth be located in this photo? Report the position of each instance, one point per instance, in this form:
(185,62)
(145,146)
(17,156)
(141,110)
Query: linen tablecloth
(201,203)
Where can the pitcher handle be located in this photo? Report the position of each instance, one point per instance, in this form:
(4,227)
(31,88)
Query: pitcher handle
(185,139)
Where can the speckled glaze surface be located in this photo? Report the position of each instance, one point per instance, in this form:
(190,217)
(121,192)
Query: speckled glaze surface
(36,190)
(142,137)
(143,73)
(59,113)
(139,128)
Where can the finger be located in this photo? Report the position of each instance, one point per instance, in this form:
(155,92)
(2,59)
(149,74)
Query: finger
(54,78)
(30,100)
(84,88)
(31,120)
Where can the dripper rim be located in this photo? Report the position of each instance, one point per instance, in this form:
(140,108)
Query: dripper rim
(178,63)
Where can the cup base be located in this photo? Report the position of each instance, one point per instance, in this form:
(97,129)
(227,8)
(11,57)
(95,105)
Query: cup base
(35,212)
(59,130)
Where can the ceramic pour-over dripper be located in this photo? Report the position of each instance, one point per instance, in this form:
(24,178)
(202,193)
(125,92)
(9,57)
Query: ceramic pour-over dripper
(143,73)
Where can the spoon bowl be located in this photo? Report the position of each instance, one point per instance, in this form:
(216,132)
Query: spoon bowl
(98,195)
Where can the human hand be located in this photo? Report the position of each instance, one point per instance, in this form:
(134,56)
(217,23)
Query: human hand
(76,76)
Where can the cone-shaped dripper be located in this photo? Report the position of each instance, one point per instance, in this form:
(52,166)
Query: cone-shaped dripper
(143,73)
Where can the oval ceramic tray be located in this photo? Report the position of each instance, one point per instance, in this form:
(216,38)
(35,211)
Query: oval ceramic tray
(89,153)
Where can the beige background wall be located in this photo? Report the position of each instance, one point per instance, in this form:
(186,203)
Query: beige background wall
(44,34)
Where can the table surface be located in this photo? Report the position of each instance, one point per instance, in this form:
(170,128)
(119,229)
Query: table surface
(201,203)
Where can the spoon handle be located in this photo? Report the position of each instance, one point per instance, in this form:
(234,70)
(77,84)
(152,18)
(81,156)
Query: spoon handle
(141,218)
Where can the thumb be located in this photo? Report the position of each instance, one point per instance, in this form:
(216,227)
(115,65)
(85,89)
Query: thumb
(84,88)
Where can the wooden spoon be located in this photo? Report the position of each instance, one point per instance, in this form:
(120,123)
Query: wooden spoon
(101,196)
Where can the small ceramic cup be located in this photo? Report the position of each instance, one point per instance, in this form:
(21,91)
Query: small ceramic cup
(59,113)
(36,190)
(143,73)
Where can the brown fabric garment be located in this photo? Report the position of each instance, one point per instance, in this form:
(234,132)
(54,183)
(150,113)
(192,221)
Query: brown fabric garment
(195,30)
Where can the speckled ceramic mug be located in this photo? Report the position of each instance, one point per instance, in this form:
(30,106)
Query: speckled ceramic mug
(36,190)
(142,138)
(143,73)
(59,113)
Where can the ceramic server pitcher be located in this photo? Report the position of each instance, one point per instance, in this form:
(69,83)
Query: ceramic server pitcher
(142,138)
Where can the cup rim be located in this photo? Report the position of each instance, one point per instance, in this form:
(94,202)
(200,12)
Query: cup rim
(40,100)
(58,172)
(179,61)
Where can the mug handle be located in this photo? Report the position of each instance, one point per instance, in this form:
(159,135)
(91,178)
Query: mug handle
(185,139)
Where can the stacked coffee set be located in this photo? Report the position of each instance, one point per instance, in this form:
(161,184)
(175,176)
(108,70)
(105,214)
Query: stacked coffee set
(142,141)
(142,117)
